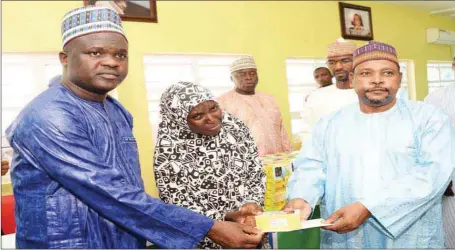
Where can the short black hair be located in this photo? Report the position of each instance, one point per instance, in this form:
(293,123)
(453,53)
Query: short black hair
(328,70)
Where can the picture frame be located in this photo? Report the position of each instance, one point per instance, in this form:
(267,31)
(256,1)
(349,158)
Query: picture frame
(356,22)
(136,11)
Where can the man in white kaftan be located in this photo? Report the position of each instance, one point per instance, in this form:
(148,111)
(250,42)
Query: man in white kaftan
(445,98)
(325,101)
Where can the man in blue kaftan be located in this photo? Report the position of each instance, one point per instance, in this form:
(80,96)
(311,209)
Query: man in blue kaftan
(75,170)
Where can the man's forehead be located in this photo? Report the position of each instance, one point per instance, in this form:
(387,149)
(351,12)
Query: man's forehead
(377,65)
(245,70)
(321,70)
(332,58)
(102,39)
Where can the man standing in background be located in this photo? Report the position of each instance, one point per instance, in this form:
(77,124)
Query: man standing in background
(323,77)
(445,98)
(259,111)
(324,101)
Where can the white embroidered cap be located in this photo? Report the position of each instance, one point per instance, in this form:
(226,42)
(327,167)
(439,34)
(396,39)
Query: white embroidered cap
(244,62)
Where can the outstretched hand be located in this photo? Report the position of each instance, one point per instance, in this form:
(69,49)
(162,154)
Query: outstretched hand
(5,167)
(245,215)
(234,235)
(298,204)
(348,218)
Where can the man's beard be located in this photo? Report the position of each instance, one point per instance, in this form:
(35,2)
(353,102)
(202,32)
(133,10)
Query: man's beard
(342,78)
(325,84)
(378,103)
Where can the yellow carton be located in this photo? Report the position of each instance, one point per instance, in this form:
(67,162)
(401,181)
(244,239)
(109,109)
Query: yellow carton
(278,168)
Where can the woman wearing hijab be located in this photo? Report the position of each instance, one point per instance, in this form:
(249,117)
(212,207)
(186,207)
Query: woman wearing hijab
(206,159)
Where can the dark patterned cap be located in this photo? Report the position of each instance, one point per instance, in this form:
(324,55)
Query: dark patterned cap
(375,51)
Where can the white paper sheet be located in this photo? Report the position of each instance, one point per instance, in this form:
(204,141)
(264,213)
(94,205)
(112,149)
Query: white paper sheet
(314,223)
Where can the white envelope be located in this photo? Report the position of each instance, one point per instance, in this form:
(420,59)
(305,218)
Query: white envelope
(314,223)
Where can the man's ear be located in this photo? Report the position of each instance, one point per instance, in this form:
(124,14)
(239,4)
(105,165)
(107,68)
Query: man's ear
(63,56)
(351,80)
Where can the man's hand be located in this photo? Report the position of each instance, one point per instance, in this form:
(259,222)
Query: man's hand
(348,218)
(245,215)
(298,204)
(5,167)
(234,235)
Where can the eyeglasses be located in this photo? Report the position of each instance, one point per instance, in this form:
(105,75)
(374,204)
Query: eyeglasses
(343,61)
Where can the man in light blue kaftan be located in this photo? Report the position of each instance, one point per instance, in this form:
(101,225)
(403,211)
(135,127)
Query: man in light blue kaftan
(444,98)
(379,168)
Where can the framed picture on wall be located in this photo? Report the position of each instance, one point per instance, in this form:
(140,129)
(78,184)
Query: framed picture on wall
(138,11)
(356,22)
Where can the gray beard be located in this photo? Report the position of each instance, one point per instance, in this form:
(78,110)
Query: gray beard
(378,103)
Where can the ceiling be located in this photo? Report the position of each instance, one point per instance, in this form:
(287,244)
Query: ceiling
(440,8)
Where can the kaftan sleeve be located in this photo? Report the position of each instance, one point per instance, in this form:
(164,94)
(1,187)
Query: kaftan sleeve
(222,101)
(57,142)
(309,177)
(285,142)
(283,134)
(434,98)
(398,204)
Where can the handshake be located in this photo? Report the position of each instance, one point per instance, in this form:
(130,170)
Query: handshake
(238,228)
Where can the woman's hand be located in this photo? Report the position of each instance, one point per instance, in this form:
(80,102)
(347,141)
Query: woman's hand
(245,214)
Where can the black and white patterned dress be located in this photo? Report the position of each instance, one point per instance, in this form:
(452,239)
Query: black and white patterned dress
(211,175)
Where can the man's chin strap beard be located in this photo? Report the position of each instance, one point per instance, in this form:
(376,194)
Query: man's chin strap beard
(242,92)
(378,103)
(343,84)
